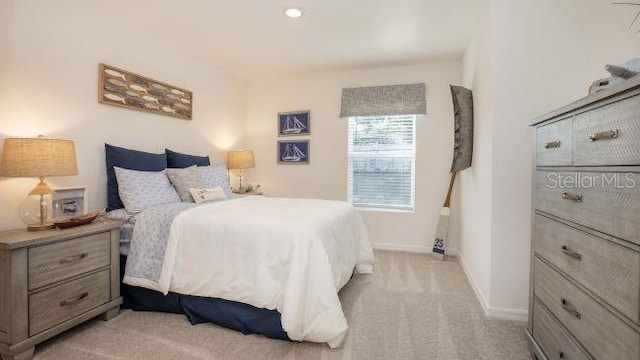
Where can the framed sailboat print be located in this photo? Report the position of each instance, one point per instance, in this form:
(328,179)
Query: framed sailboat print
(294,123)
(293,152)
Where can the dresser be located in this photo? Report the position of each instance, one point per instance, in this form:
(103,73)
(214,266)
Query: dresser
(585,242)
(53,280)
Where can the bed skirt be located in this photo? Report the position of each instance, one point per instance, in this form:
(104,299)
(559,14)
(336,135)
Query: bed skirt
(231,314)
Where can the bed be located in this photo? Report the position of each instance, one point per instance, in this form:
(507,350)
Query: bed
(272,266)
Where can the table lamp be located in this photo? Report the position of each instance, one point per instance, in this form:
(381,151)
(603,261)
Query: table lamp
(38,157)
(240,159)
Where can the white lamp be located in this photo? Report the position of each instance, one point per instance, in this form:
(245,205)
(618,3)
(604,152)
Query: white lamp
(38,157)
(240,159)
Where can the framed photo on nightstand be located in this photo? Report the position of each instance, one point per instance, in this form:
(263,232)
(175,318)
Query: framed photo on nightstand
(69,202)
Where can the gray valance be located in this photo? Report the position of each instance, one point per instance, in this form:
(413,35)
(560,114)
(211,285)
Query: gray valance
(407,99)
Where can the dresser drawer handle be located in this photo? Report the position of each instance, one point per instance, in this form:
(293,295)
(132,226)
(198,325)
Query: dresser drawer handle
(552,145)
(565,250)
(74,258)
(74,300)
(604,135)
(569,308)
(572,197)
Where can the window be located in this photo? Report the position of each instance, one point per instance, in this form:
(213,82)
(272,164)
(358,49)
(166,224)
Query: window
(382,161)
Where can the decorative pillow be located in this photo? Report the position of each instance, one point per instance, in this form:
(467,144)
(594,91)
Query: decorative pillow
(180,161)
(140,190)
(216,175)
(128,159)
(208,195)
(184,179)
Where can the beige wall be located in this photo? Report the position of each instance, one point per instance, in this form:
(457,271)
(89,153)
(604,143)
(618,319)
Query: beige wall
(543,54)
(50,72)
(326,176)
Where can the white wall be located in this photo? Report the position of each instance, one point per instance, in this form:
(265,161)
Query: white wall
(544,54)
(50,87)
(326,176)
(471,208)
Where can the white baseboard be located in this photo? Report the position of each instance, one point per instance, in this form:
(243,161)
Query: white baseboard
(410,248)
(491,311)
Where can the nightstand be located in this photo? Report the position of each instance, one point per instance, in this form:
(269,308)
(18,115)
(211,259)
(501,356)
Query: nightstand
(51,281)
(237,194)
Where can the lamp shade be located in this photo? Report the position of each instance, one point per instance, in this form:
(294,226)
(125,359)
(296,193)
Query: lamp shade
(38,157)
(240,159)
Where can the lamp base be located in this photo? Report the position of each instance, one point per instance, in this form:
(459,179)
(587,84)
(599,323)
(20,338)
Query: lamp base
(41,227)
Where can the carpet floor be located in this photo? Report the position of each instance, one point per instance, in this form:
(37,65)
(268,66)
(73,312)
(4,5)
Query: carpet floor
(412,307)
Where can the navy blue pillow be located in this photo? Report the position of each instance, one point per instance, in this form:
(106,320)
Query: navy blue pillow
(180,161)
(128,159)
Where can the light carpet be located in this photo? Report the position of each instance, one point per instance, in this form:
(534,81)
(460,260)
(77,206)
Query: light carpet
(412,307)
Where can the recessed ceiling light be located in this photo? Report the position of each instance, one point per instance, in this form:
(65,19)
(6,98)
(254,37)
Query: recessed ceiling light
(293,12)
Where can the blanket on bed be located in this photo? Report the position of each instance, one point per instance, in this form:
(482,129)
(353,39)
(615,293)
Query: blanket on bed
(292,255)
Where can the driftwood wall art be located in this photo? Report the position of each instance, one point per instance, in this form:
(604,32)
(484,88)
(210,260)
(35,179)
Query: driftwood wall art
(125,89)
(463,128)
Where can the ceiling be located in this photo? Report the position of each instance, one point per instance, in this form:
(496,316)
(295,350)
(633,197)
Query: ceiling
(253,38)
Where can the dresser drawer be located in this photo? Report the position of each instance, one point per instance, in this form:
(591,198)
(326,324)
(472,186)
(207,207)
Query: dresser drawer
(609,135)
(554,144)
(608,202)
(556,343)
(609,270)
(59,261)
(53,306)
(604,335)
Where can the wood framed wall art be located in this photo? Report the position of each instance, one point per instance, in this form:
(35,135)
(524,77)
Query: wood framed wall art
(125,89)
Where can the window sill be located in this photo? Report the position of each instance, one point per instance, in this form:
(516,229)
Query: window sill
(377,209)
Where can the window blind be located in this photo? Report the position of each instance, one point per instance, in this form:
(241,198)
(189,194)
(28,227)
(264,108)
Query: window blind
(409,99)
(381,154)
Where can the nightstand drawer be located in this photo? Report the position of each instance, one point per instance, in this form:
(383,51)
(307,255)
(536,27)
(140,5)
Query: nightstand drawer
(553,339)
(603,334)
(609,270)
(53,306)
(59,261)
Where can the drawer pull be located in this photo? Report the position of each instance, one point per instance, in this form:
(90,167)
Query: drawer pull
(74,258)
(74,300)
(569,308)
(603,135)
(572,197)
(565,250)
(552,145)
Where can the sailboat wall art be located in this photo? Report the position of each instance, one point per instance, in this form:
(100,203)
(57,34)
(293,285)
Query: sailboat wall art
(294,123)
(125,89)
(293,152)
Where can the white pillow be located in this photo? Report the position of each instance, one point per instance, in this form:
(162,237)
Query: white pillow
(216,175)
(208,195)
(140,190)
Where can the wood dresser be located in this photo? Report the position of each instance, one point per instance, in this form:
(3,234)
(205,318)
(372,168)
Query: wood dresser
(53,280)
(585,245)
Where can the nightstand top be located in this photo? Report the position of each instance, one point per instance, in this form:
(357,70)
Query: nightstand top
(18,238)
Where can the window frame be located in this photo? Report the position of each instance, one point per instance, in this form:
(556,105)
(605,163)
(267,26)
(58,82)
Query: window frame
(350,178)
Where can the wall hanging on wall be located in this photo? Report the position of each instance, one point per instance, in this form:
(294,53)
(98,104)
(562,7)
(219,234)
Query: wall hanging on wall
(125,89)
(294,123)
(293,152)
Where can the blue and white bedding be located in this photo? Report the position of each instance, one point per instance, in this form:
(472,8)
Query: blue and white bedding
(292,255)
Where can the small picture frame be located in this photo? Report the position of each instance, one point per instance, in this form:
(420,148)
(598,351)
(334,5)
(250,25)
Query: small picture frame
(293,152)
(294,123)
(69,202)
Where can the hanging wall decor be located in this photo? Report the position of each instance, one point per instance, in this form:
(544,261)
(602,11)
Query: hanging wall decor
(125,89)
(294,123)
(293,152)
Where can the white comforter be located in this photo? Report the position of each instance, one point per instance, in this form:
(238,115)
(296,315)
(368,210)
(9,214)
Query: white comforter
(292,255)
